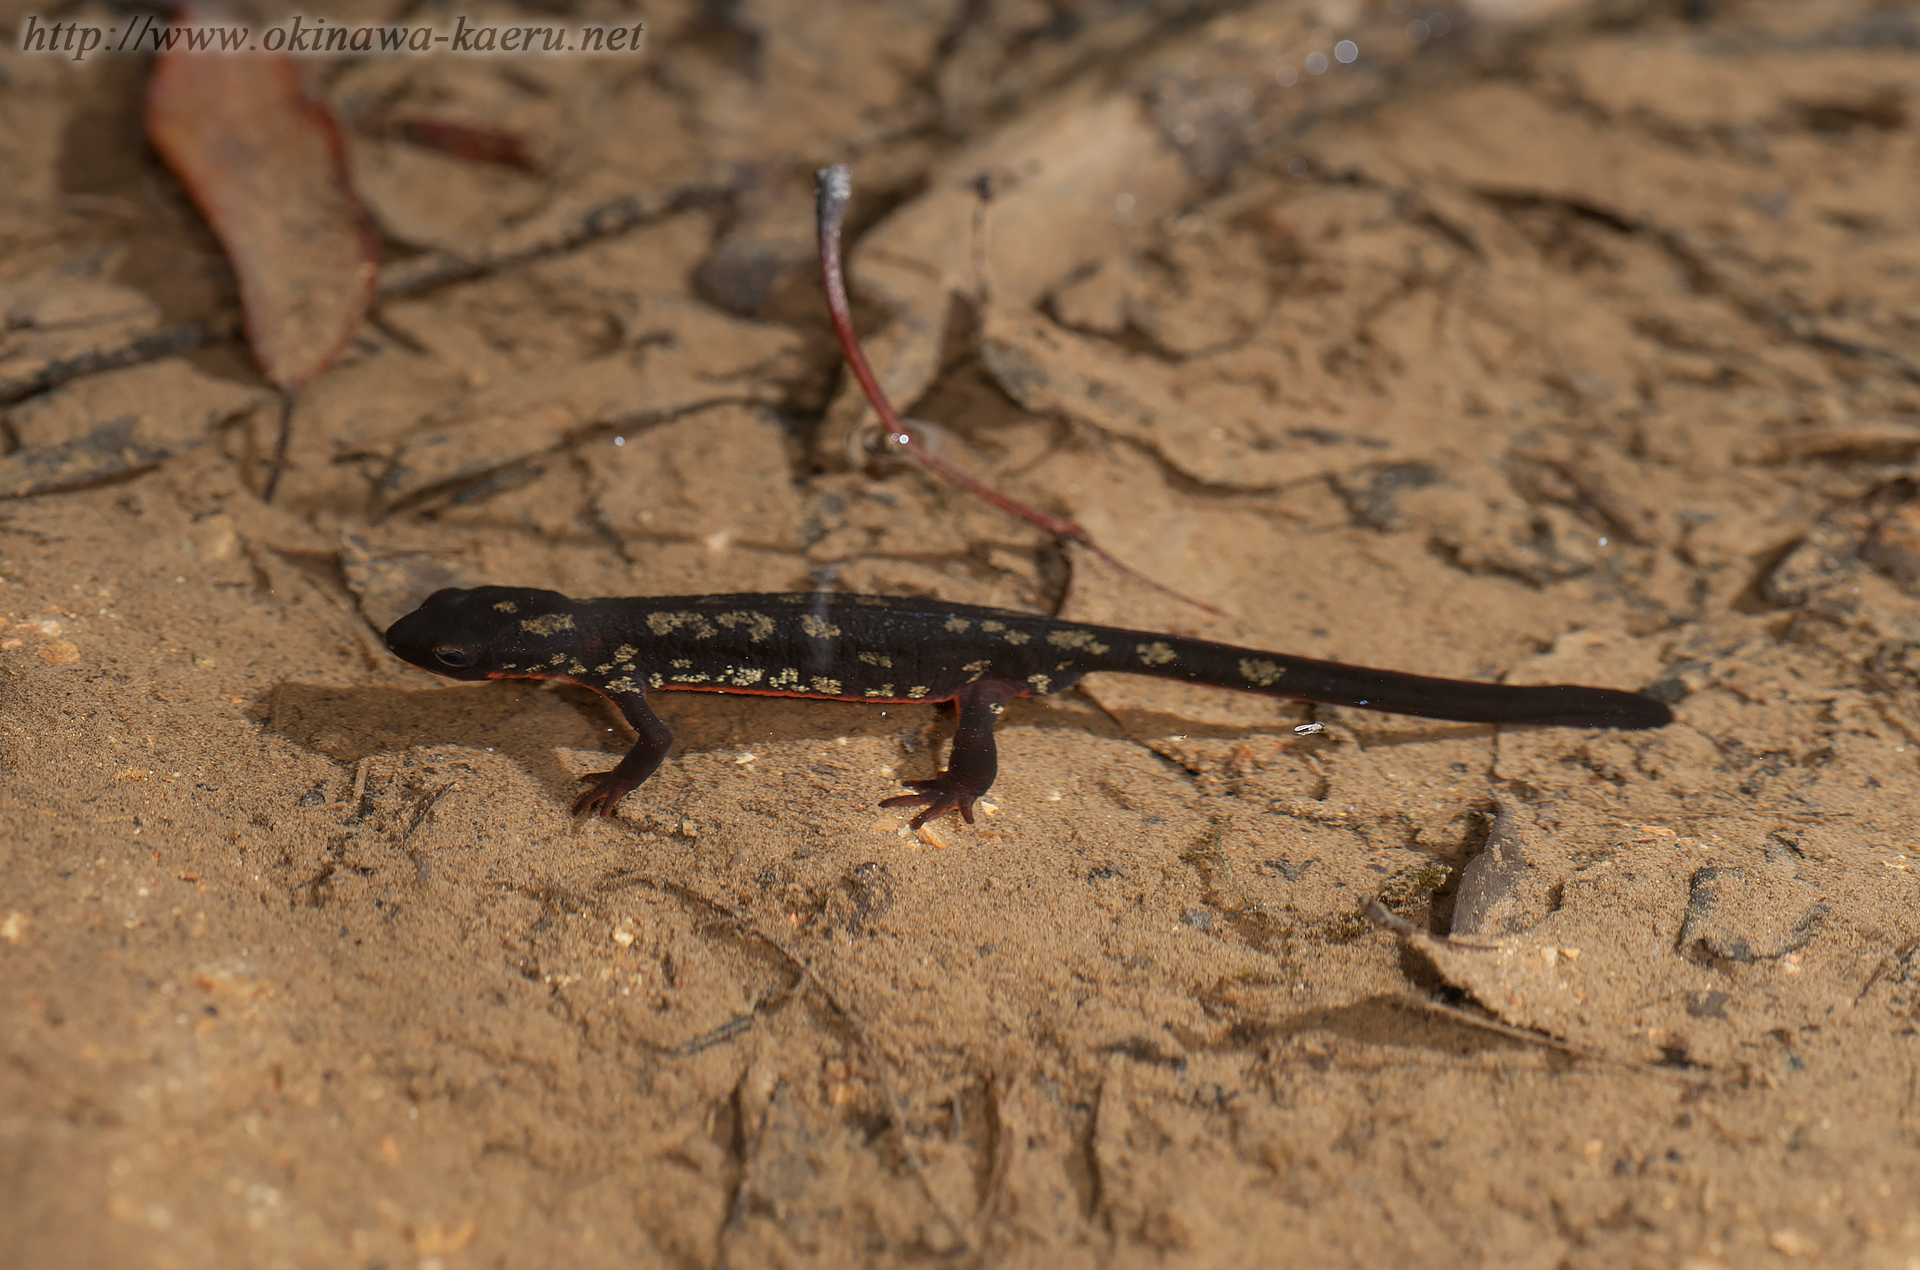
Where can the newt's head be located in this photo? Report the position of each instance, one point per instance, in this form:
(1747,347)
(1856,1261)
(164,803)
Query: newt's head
(489,632)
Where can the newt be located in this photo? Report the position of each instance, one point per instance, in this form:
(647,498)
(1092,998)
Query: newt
(896,650)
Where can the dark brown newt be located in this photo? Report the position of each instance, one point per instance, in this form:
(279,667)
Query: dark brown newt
(899,649)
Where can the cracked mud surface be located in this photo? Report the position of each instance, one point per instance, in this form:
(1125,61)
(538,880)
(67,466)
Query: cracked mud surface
(1584,349)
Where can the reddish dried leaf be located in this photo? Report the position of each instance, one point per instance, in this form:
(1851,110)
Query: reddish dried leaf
(263,160)
(476,143)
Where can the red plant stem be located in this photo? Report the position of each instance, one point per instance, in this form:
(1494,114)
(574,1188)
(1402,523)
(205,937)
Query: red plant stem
(476,143)
(833,190)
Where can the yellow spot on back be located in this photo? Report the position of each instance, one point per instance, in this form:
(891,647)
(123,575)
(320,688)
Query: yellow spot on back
(746,675)
(877,659)
(818,627)
(1257,671)
(884,690)
(680,663)
(788,678)
(1075,638)
(1040,683)
(667,623)
(1017,637)
(1154,654)
(831,687)
(958,624)
(917,692)
(976,668)
(625,652)
(547,623)
(759,625)
(506,606)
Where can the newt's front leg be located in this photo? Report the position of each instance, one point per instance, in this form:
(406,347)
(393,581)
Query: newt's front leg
(648,751)
(973,763)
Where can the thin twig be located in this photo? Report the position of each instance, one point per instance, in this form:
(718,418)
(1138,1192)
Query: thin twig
(438,268)
(896,1110)
(833,189)
(288,397)
(168,341)
(749,1153)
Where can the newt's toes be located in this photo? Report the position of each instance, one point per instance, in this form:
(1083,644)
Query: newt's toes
(601,798)
(939,800)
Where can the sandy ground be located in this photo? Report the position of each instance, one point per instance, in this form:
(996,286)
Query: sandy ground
(1587,348)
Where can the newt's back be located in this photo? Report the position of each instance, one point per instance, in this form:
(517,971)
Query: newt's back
(803,644)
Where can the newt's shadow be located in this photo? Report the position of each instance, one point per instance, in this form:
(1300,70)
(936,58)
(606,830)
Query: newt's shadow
(528,721)
(519,720)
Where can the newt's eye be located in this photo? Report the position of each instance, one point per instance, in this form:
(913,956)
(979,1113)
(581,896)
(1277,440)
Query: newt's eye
(458,658)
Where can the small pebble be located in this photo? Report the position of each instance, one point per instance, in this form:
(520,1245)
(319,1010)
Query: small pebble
(59,652)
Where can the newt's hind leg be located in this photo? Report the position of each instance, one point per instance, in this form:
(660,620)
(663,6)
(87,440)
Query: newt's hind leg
(974,761)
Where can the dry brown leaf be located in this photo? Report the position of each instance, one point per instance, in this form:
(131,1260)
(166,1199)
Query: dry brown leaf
(1669,948)
(261,157)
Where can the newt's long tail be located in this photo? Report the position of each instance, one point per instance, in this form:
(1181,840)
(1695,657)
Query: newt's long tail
(1336,683)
